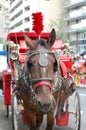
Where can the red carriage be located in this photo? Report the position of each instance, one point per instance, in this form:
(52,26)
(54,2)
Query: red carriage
(17,54)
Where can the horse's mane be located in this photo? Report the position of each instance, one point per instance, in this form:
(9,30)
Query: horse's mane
(42,42)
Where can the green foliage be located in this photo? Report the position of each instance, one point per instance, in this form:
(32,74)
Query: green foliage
(58,25)
(71,42)
(9,43)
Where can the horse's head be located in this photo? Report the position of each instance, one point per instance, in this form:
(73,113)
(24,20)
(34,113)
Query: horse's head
(39,64)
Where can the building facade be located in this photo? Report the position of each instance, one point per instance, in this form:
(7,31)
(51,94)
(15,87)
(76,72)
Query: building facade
(4,19)
(75,20)
(21,13)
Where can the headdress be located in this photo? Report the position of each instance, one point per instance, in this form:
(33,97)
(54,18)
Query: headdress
(37,22)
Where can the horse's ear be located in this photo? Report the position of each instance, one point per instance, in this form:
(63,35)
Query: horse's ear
(52,37)
(29,42)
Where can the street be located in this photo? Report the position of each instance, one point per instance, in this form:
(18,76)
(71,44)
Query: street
(6,123)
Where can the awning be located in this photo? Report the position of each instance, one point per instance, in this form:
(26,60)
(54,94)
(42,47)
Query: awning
(17,36)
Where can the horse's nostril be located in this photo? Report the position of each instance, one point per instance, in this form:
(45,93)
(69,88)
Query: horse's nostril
(40,104)
(44,107)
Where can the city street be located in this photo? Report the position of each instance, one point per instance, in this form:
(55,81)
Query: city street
(6,123)
(42,48)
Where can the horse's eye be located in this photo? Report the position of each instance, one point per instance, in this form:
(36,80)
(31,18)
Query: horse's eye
(29,64)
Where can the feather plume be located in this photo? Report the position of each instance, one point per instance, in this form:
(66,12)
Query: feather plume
(37,22)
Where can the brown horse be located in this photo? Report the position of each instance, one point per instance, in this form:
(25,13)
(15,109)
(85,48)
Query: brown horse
(38,90)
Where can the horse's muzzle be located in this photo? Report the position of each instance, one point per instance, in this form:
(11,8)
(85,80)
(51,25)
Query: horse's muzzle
(45,107)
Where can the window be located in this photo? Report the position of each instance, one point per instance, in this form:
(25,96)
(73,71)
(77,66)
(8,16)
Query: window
(27,8)
(82,36)
(27,19)
(0,7)
(73,37)
(27,29)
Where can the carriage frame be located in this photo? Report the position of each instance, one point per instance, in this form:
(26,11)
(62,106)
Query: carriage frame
(12,97)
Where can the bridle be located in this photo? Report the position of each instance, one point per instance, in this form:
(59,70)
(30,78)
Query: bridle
(35,83)
(43,63)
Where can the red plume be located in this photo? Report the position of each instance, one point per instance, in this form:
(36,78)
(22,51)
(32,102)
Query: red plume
(37,22)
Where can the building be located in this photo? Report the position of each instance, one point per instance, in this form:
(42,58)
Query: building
(4,19)
(21,13)
(75,20)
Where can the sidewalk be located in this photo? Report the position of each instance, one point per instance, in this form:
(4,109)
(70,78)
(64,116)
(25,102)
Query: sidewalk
(81,86)
(1,93)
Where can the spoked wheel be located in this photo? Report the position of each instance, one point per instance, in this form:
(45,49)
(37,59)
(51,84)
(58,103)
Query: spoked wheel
(77,113)
(15,112)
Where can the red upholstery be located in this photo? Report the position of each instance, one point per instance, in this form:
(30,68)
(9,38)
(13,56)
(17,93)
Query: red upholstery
(22,57)
(63,68)
(22,51)
(67,61)
(23,47)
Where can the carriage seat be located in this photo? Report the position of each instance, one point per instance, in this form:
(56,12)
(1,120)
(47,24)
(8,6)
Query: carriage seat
(63,68)
(65,64)
(23,49)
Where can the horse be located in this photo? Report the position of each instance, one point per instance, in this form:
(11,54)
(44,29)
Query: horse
(40,92)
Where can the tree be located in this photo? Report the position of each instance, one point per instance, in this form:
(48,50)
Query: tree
(59,26)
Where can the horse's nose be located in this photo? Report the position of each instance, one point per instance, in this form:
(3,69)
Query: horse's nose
(45,107)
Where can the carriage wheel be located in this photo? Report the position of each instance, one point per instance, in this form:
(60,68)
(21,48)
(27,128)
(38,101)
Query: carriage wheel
(15,112)
(77,113)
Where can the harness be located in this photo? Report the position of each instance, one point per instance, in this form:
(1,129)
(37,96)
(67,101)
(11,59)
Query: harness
(28,82)
(60,82)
